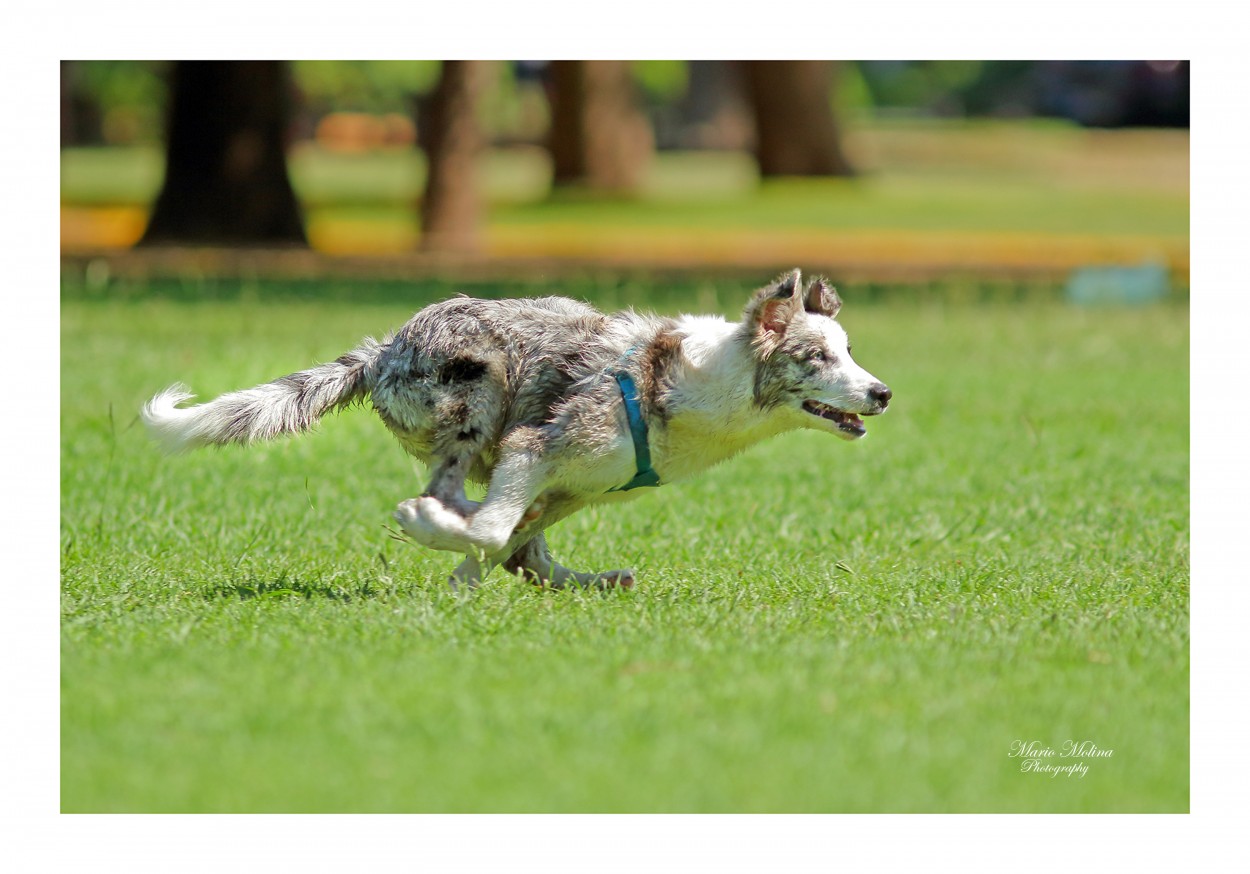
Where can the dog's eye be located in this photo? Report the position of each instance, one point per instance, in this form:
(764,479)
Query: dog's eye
(820,355)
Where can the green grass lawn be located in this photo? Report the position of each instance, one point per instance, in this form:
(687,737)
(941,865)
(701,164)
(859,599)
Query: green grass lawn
(817,626)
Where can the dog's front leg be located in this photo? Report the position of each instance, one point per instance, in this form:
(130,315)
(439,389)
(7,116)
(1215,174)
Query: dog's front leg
(510,503)
(517,480)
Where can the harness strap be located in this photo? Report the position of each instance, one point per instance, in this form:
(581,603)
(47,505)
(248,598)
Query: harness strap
(646,475)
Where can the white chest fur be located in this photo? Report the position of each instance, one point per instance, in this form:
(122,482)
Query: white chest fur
(712,414)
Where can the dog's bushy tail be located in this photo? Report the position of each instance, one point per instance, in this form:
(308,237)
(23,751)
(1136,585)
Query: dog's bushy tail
(288,405)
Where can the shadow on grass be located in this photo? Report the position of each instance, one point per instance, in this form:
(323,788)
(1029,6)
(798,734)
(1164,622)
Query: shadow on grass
(286,587)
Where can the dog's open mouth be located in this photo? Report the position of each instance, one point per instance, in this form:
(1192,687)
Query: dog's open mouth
(848,423)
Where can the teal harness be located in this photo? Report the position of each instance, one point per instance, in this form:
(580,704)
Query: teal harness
(646,475)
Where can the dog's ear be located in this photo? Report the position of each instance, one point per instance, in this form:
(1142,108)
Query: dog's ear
(772,308)
(822,298)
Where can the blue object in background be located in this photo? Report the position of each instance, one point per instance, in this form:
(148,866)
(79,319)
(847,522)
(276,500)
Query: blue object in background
(1095,284)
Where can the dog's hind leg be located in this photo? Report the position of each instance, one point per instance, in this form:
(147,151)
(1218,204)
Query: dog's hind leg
(463,402)
(470,572)
(476,566)
(532,561)
(447,484)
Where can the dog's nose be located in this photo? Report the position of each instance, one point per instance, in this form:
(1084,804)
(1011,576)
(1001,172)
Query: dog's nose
(880,392)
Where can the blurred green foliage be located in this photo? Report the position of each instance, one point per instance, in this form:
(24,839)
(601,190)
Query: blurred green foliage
(364,86)
(126,99)
(662,80)
(122,83)
(120,101)
(123,102)
(918,83)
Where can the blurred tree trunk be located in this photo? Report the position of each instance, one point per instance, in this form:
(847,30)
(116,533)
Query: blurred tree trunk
(72,133)
(226,181)
(715,110)
(448,128)
(796,132)
(599,138)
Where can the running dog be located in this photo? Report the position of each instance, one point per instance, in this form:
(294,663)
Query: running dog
(553,406)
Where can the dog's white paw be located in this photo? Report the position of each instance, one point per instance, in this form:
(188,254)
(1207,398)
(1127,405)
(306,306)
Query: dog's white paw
(427,521)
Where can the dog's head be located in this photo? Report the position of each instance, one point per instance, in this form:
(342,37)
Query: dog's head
(803,364)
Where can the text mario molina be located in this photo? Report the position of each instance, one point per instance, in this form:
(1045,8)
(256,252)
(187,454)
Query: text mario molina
(1066,761)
